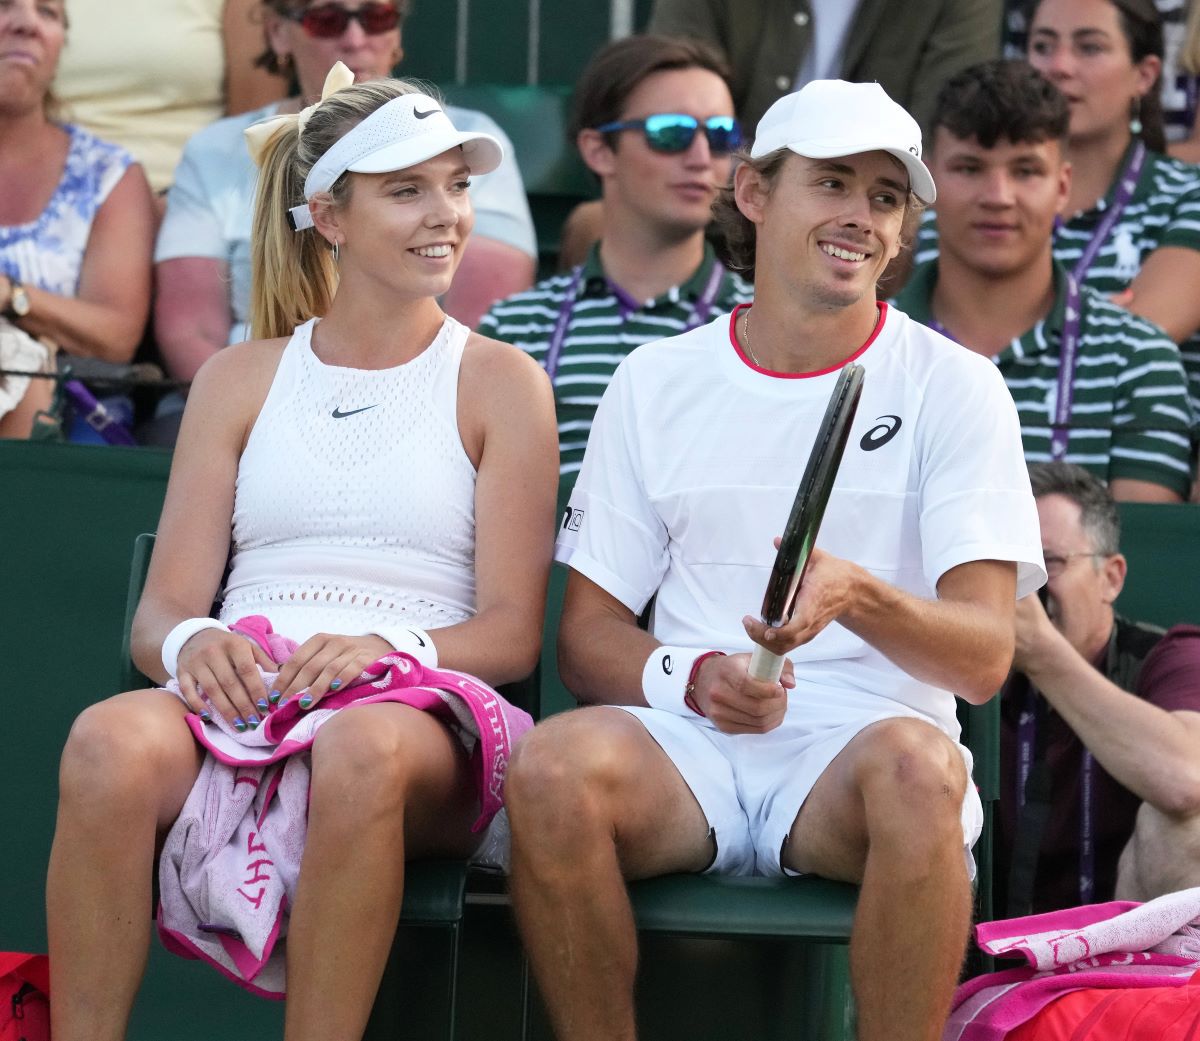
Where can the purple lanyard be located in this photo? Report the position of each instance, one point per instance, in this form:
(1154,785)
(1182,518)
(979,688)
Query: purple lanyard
(1068,359)
(703,308)
(1126,185)
(1026,748)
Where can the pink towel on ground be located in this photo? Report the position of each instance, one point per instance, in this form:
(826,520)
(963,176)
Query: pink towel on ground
(1117,944)
(229,865)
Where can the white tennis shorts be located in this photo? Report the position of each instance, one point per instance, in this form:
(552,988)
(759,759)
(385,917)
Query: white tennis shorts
(751,786)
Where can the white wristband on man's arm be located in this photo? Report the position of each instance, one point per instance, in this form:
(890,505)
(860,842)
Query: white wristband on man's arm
(180,635)
(667,678)
(410,640)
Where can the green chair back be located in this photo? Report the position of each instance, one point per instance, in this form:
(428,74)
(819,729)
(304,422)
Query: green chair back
(535,118)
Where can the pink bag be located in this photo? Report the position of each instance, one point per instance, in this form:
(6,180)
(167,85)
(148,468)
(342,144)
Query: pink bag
(24,997)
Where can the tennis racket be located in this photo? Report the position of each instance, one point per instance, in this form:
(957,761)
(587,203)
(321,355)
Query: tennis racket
(800,534)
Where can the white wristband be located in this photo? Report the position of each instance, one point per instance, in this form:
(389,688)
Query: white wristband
(410,640)
(665,678)
(180,635)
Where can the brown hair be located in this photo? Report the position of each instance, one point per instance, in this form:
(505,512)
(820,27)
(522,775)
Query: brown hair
(737,238)
(617,68)
(1141,25)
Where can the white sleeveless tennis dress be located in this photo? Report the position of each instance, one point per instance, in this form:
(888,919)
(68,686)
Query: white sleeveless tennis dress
(355,500)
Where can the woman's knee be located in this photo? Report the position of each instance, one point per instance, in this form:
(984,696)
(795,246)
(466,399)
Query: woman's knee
(380,757)
(126,748)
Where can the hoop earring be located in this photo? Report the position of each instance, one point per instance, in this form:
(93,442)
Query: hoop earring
(1135,117)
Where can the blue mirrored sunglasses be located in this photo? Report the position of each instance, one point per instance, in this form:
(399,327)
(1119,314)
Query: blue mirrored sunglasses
(674,132)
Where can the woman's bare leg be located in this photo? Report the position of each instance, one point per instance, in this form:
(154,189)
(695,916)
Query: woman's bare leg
(388,782)
(126,771)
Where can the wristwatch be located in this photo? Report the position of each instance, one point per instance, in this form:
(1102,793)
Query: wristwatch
(18,300)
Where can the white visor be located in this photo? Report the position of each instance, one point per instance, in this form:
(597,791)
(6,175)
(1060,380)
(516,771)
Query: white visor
(404,132)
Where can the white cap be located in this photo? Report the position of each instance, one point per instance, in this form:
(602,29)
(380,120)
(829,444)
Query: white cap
(826,119)
(402,133)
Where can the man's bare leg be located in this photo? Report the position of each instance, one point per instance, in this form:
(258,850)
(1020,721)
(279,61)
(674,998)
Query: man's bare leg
(886,813)
(593,800)
(1162,856)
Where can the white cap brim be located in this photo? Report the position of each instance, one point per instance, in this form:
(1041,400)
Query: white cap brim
(482,153)
(406,131)
(920,180)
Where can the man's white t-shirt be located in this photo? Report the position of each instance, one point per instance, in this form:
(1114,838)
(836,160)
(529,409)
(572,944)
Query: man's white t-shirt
(693,464)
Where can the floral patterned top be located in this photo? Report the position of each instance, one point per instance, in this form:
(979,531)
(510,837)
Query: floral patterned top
(48,252)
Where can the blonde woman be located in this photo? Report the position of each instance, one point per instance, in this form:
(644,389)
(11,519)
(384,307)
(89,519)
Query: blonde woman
(387,481)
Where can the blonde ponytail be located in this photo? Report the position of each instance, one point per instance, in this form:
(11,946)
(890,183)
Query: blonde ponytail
(292,273)
(293,277)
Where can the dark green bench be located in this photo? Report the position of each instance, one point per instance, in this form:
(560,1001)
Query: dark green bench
(67,521)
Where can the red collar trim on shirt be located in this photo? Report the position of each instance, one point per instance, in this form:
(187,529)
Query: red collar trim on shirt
(883,308)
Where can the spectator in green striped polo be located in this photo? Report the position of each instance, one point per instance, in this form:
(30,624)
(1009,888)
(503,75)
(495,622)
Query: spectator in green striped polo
(654,121)
(1131,226)
(1094,384)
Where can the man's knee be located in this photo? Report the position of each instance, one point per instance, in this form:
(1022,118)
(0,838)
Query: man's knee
(567,771)
(1162,856)
(908,770)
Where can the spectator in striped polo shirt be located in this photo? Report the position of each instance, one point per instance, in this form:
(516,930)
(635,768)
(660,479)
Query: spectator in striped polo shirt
(654,121)
(1141,243)
(1093,384)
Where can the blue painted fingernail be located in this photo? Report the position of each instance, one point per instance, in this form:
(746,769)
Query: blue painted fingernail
(335,684)
(305,700)
(205,717)
(239,725)
(262,704)
(252,719)
(274,697)
(284,702)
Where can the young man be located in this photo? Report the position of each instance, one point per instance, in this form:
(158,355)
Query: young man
(1100,725)
(1121,409)
(849,766)
(654,121)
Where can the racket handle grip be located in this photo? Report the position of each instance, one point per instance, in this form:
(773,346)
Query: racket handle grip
(764,665)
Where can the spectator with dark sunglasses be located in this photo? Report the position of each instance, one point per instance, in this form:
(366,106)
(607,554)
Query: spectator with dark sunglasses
(654,121)
(203,251)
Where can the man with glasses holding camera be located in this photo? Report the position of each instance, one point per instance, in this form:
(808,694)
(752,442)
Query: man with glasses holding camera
(1100,725)
(654,122)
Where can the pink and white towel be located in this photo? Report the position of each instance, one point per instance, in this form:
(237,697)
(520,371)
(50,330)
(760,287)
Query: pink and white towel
(1166,925)
(229,865)
(1117,944)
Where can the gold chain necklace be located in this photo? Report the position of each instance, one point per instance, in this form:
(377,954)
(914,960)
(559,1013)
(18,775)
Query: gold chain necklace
(746,337)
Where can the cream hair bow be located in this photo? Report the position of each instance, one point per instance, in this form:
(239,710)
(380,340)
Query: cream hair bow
(260,134)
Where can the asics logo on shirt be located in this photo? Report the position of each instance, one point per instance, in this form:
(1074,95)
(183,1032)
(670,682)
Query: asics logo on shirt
(337,413)
(880,434)
(668,668)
